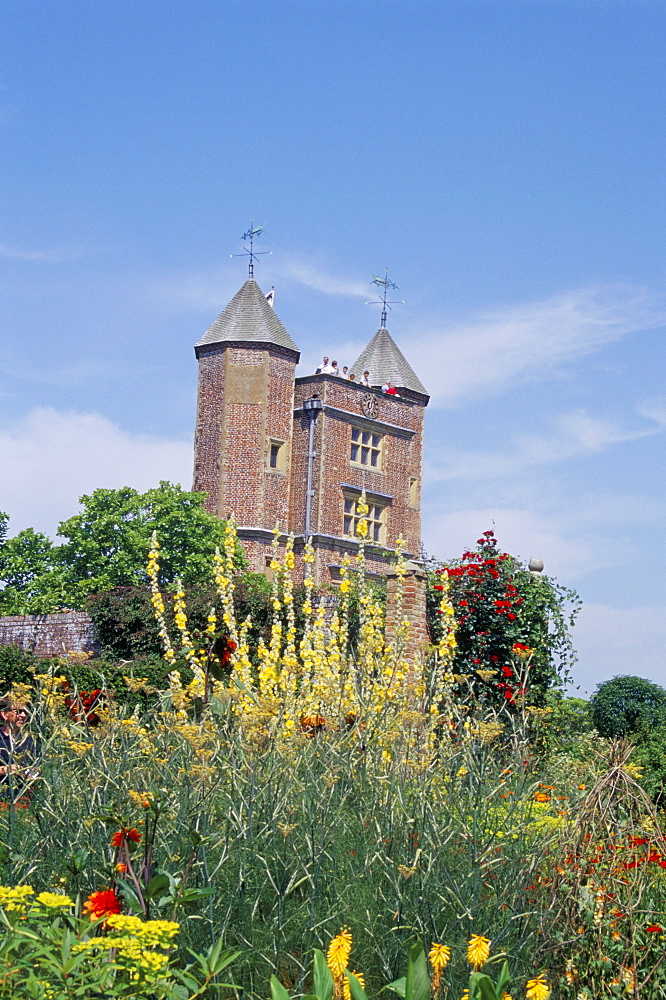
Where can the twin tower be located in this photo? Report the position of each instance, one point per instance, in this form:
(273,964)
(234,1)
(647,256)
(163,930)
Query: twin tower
(296,453)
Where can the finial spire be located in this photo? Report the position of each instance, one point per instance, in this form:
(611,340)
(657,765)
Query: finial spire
(253,233)
(385,285)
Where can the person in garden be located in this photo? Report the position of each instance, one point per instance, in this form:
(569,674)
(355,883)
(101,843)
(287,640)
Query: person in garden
(18,750)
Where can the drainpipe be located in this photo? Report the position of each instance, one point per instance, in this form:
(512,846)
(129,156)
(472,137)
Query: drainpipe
(312,407)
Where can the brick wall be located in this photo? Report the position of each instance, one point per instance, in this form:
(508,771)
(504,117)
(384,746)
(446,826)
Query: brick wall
(413,608)
(245,404)
(208,436)
(50,635)
(399,421)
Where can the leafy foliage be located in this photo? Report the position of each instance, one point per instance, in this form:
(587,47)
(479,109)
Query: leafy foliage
(50,952)
(622,705)
(509,620)
(650,754)
(105,546)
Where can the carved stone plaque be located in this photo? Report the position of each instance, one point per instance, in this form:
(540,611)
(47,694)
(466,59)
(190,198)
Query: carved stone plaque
(370,405)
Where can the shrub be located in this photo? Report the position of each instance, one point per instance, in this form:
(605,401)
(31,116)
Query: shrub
(622,705)
(509,621)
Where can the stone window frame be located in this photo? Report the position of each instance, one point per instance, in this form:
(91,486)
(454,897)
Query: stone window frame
(276,457)
(372,449)
(377,516)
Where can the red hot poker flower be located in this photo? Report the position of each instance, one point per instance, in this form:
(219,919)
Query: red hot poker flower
(125,834)
(102,904)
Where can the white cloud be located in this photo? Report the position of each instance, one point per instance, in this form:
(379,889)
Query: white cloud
(573,434)
(52,457)
(618,640)
(322,281)
(14,253)
(212,288)
(654,409)
(207,291)
(511,346)
(40,256)
(524,532)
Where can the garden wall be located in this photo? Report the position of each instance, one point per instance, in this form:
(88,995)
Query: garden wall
(50,635)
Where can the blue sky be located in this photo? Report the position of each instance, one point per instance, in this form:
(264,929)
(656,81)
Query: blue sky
(504,159)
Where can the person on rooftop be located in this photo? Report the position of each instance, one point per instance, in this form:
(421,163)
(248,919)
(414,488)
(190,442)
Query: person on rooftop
(390,389)
(366,379)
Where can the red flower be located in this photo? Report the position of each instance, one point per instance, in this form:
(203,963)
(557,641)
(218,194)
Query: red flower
(654,929)
(102,904)
(125,834)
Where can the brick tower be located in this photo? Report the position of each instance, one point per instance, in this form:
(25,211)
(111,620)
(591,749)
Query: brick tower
(364,439)
(298,452)
(242,452)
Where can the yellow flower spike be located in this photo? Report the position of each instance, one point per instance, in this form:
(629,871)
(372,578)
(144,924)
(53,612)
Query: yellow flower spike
(478,951)
(337,956)
(537,988)
(440,956)
(346,989)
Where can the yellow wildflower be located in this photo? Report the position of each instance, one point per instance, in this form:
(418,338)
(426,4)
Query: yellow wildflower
(346,989)
(478,950)
(537,988)
(53,900)
(15,899)
(337,956)
(439,956)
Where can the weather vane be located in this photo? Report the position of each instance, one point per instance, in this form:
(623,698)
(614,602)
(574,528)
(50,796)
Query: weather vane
(253,233)
(385,285)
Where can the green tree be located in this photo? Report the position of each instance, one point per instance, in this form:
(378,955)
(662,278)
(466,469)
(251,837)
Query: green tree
(624,705)
(510,621)
(106,545)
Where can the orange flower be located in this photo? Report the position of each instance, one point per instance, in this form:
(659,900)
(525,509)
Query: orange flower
(541,797)
(121,868)
(102,904)
(125,834)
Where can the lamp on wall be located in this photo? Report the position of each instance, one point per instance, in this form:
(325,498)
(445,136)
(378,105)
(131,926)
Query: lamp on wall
(313,407)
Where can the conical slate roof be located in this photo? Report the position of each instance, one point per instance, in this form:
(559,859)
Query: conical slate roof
(386,363)
(248,317)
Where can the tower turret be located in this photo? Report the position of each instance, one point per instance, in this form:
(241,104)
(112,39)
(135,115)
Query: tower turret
(247,363)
